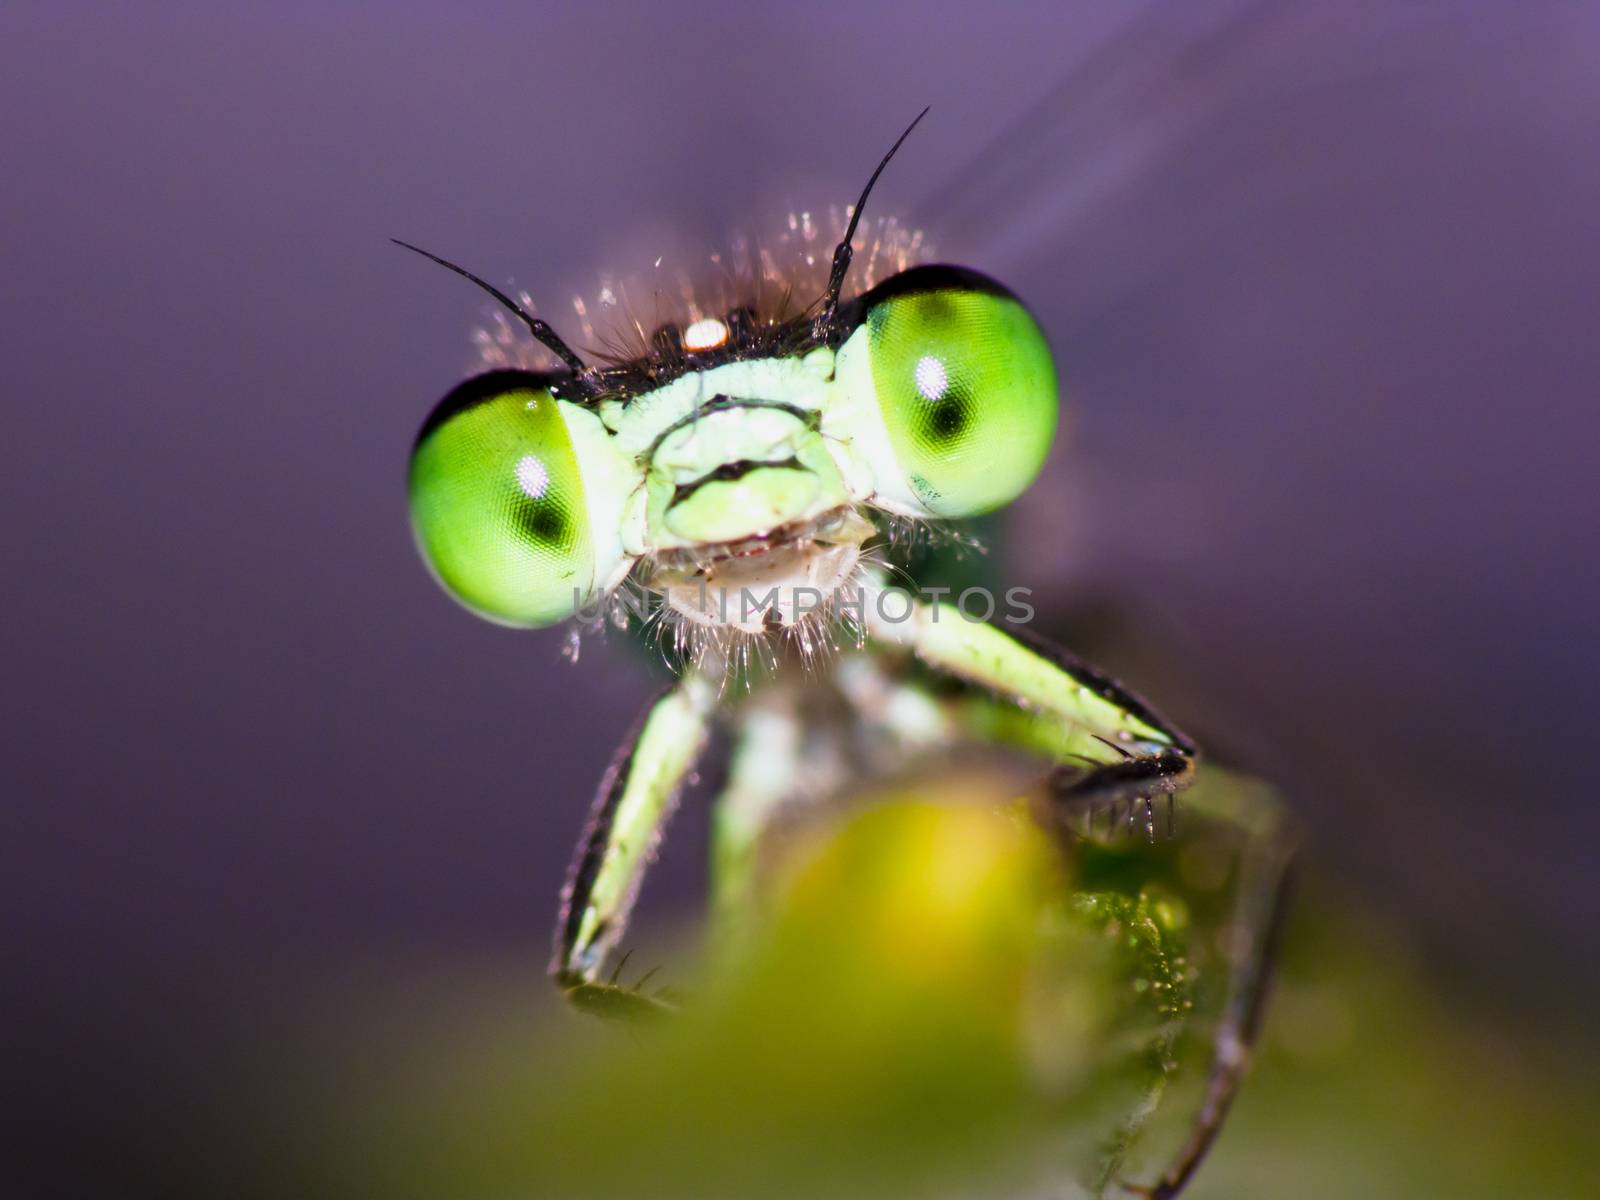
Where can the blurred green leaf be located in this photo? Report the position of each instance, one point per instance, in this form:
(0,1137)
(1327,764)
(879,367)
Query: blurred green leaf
(939,1001)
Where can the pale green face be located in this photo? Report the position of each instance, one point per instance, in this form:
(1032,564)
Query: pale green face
(497,501)
(733,452)
(941,403)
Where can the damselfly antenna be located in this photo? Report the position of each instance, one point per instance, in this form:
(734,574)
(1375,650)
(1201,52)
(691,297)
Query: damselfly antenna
(842,253)
(540,329)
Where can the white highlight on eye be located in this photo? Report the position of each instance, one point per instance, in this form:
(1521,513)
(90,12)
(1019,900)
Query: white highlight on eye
(532,477)
(705,334)
(931,378)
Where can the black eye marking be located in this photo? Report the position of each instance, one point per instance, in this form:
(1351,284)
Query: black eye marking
(543,522)
(945,421)
(481,389)
(934,277)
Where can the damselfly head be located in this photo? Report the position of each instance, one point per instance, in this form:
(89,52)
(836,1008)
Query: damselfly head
(734,456)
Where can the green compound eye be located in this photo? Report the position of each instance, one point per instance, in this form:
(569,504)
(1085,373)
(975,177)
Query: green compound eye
(966,386)
(497,501)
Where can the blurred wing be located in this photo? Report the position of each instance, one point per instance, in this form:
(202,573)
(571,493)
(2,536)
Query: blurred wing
(1176,209)
(1141,96)
(1321,280)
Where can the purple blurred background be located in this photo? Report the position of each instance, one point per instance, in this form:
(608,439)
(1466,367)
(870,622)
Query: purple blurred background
(1322,277)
